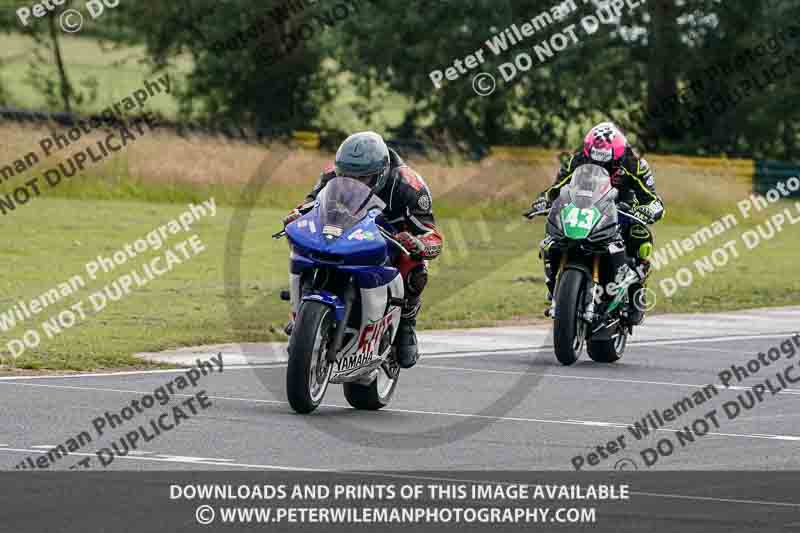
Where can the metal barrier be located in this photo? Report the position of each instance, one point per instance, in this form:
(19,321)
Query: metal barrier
(769,173)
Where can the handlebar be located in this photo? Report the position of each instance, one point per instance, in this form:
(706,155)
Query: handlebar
(389,237)
(624,208)
(533,214)
(637,219)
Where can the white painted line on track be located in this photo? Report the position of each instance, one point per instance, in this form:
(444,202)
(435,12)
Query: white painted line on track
(179,459)
(656,342)
(201,461)
(189,459)
(598,424)
(180,370)
(584,423)
(595,378)
(428,413)
(447,355)
(726,338)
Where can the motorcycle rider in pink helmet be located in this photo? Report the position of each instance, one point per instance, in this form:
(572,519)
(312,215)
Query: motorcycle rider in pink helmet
(605,145)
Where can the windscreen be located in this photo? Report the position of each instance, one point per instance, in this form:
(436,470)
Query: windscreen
(589,184)
(344,202)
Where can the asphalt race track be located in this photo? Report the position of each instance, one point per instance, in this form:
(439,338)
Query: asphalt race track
(508,409)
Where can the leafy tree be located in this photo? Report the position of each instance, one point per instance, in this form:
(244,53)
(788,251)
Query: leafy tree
(48,58)
(246,67)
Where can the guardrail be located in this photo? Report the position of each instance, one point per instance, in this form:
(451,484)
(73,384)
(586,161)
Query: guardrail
(737,168)
(770,172)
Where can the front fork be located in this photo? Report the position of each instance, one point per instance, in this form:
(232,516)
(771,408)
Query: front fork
(589,314)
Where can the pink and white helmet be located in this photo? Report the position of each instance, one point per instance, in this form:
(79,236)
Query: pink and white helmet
(604,143)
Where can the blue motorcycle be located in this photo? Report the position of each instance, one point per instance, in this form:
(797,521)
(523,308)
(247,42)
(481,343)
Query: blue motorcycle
(346,298)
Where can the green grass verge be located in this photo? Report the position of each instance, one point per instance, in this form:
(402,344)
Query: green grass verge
(489,273)
(117,71)
(114,72)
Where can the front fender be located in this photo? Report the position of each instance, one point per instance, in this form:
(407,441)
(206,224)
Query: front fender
(580,267)
(329,299)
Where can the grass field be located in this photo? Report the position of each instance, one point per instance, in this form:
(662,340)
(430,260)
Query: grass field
(116,72)
(487,275)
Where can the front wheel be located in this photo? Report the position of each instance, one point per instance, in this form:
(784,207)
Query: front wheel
(309,372)
(377,394)
(569,329)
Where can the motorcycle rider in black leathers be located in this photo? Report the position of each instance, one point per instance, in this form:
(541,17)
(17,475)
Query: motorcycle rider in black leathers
(365,157)
(606,146)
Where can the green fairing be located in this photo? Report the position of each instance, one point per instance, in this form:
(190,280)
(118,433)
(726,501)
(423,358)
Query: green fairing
(578,223)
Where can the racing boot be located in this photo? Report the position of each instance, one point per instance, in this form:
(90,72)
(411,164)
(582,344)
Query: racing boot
(549,276)
(287,297)
(638,295)
(406,342)
(550,312)
(638,304)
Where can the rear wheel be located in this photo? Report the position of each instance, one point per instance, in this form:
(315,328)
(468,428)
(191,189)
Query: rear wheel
(377,394)
(609,351)
(309,372)
(569,330)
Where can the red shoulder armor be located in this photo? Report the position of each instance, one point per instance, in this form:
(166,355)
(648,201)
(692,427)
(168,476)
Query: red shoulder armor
(412,178)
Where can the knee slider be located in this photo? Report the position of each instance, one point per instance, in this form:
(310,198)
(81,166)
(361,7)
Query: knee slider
(641,233)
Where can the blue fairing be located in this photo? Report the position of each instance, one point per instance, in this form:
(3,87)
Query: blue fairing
(329,299)
(360,250)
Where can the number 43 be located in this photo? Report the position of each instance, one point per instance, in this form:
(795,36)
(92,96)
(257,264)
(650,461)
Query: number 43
(583,218)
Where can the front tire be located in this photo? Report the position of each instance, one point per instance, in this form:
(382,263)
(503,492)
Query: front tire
(308,372)
(377,394)
(568,328)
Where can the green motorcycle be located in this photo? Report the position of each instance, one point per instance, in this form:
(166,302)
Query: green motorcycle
(591,302)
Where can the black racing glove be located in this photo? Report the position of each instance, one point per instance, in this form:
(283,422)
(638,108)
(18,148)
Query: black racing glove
(540,204)
(647,213)
(297,212)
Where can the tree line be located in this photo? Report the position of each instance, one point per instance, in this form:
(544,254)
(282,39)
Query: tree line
(690,76)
